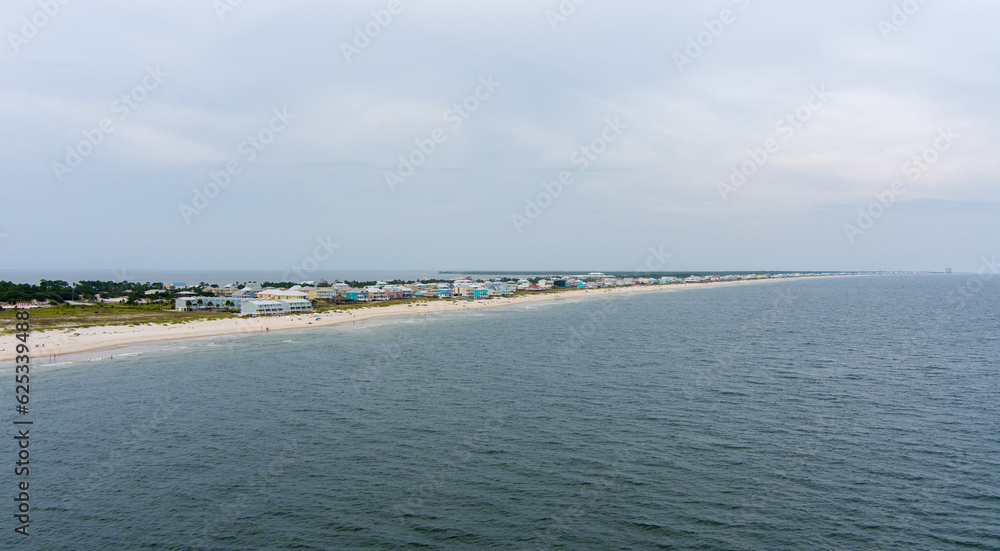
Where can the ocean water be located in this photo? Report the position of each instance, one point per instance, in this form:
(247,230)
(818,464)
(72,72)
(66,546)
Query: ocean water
(841,413)
(214,277)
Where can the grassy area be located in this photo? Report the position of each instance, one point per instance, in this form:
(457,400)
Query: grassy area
(75,317)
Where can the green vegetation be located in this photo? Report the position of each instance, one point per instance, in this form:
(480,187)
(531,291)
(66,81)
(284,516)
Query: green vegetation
(278,284)
(59,291)
(66,316)
(139,309)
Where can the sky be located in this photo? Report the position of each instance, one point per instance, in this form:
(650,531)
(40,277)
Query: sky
(499,135)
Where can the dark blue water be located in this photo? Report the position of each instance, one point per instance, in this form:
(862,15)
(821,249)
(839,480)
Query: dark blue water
(847,413)
(215,277)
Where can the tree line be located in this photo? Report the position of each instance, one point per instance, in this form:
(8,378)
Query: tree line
(59,291)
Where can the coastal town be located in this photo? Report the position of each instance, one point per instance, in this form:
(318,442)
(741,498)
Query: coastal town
(250,299)
(93,315)
(270,299)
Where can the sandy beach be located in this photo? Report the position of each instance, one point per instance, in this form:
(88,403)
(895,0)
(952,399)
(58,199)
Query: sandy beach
(45,343)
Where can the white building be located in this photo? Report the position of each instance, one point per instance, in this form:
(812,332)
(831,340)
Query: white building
(295,305)
(267,307)
(245,292)
(193,304)
(341,288)
(261,307)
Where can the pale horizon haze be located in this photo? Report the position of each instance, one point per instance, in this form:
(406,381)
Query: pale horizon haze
(518,135)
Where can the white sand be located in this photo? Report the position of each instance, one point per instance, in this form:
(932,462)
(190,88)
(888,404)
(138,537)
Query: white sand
(45,343)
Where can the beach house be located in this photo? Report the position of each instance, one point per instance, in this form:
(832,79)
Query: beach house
(295,305)
(354,294)
(268,307)
(245,293)
(473,291)
(193,304)
(319,293)
(261,307)
(397,292)
(341,288)
(280,294)
(374,294)
(499,288)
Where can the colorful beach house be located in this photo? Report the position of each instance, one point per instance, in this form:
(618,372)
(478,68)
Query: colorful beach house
(355,294)
(280,294)
(374,294)
(498,289)
(398,292)
(319,293)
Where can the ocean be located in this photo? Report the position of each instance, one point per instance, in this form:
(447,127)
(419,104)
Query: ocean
(215,277)
(833,413)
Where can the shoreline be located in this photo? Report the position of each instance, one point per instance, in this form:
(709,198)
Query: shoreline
(112,337)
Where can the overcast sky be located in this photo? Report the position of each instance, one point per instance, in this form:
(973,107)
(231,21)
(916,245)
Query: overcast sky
(826,106)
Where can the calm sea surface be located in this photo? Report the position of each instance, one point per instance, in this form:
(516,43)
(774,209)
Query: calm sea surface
(215,277)
(842,413)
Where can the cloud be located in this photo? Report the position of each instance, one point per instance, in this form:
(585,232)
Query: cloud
(687,128)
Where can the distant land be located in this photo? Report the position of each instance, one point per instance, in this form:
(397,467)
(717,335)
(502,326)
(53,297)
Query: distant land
(680,274)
